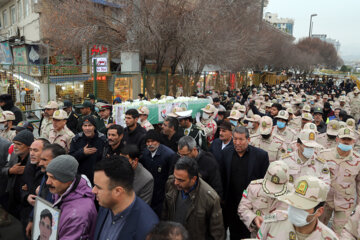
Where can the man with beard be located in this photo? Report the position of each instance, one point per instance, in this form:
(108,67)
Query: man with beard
(134,133)
(87,147)
(158,160)
(115,134)
(48,153)
(274,145)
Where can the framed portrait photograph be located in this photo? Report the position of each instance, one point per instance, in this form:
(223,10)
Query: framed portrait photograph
(46,221)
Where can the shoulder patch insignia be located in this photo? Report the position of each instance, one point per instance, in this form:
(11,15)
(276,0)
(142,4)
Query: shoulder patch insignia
(292,236)
(257,181)
(325,171)
(321,159)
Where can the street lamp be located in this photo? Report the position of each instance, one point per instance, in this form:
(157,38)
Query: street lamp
(311,24)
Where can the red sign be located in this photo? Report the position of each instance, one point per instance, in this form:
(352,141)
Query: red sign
(95,50)
(232,81)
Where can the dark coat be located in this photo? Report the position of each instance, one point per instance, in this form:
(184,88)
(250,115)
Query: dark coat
(4,152)
(216,150)
(322,127)
(102,127)
(257,166)
(136,137)
(138,224)
(173,142)
(87,162)
(209,171)
(160,167)
(72,122)
(9,106)
(199,136)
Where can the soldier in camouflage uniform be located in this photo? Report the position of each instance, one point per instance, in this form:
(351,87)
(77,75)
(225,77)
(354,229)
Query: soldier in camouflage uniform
(46,122)
(351,231)
(144,114)
(328,139)
(271,143)
(207,123)
(344,166)
(6,123)
(294,121)
(304,160)
(301,221)
(260,197)
(253,125)
(281,129)
(60,133)
(350,123)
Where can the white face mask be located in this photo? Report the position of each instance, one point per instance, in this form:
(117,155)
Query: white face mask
(298,217)
(308,152)
(205,116)
(242,115)
(250,125)
(2,126)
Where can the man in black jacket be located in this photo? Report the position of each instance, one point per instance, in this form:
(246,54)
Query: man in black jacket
(223,142)
(170,133)
(7,104)
(72,120)
(241,164)
(87,147)
(208,167)
(134,133)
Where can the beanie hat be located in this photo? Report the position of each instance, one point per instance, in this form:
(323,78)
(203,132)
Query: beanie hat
(63,167)
(90,119)
(154,135)
(25,137)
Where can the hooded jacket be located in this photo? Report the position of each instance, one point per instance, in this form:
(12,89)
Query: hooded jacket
(78,212)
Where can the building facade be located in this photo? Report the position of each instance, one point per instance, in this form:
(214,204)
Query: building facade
(284,24)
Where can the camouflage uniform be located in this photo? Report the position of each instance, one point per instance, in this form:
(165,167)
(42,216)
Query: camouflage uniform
(355,106)
(275,146)
(351,231)
(288,134)
(46,125)
(332,130)
(345,184)
(62,137)
(147,125)
(260,197)
(277,225)
(8,134)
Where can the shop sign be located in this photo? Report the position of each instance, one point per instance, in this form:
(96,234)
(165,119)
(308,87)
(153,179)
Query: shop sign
(98,50)
(101,65)
(20,59)
(63,65)
(100,53)
(5,55)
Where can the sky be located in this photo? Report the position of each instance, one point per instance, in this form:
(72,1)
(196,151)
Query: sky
(339,19)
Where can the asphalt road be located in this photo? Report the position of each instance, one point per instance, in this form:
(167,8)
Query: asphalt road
(11,232)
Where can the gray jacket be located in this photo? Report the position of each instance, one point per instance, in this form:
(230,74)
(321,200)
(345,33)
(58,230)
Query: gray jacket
(143,183)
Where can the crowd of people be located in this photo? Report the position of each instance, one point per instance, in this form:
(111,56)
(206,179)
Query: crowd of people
(266,162)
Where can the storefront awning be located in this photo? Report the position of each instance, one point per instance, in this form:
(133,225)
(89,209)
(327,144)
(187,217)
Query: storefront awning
(69,78)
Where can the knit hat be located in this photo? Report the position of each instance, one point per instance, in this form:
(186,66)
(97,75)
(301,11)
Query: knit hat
(154,135)
(90,119)
(63,167)
(25,137)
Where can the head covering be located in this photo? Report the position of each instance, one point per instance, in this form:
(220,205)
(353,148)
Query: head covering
(236,106)
(282,114)
(308,138)
(24,125)
(266,125)
(153,134)
(175,110)
(350,123)
(209,108)
(60,115)
(67,103)
(184,114)
(234,115)
(332,128)
(52,105)
(143,110)
(275,182)
(346,133)
(307,116)
(85,104)
(89,119)
(25,137)
(63,167)
(318,110)
(309,192)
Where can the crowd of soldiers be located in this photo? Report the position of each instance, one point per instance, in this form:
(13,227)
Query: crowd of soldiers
(266,162)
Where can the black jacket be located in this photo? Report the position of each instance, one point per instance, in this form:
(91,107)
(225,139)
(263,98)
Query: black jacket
(216,150)
(173,142)
(257,166)
(136,137)
(87,162)
(72,122)
(9,106)
(322,127)
(209,171)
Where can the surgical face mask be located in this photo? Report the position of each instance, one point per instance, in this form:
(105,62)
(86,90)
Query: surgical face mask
(205,116)
(241,115)
(280,125)
(298,217)
(311,102)
(225,95)
(344,147)
(234,122)
(250,125)
(96,109)
(308,152)
(2,126)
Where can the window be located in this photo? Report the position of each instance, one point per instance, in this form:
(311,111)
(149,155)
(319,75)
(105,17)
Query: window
(26,8)
(12,15)
(5,18)
(20,10)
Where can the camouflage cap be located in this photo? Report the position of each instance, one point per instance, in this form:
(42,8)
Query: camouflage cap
(356,90)
(256,118)
(346,133)
(60,115)
(2,117)
(234,115)
(282,114)
(8,116)
(342,99)
(275,182)
(333,128)
(342,124)
(325,96)
(209,108)
(290,110)
(306,108)
(242,108)
(307,116)
(51,105)
(350,123)
(266,125)
(236,106)
(174,110)
(143,110)
(308,138)
(309,192)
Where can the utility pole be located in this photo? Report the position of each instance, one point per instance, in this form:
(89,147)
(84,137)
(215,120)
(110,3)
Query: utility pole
(311,24)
